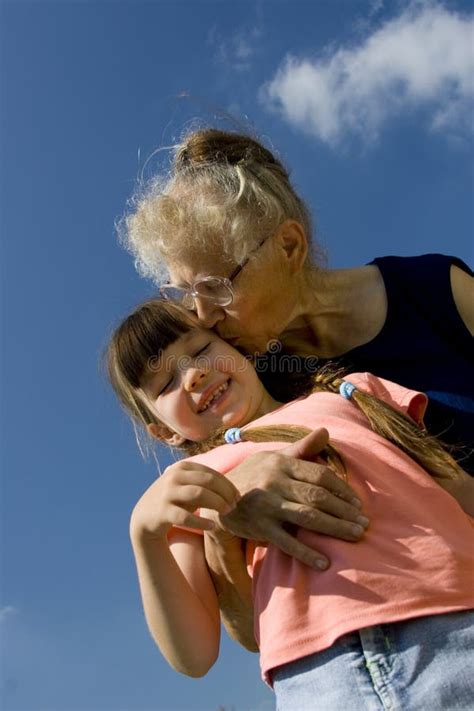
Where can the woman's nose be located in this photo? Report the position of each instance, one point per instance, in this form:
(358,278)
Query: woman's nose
(193,378)
(208,312)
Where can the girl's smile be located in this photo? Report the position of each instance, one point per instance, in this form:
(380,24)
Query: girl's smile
(214,399)
(200,384)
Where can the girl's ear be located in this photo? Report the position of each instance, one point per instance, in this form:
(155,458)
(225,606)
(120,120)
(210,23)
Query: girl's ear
(292,240)
(164,434)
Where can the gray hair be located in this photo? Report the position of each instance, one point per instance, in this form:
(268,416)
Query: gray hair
(224,193)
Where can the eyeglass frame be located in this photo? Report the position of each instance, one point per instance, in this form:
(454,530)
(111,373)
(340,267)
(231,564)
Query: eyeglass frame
(225,281)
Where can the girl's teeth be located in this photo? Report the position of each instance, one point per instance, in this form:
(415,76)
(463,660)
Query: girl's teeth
(214,395)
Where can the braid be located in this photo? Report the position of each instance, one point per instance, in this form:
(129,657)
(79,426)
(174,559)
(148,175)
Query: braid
(399,429)
(427,450)
(271,433)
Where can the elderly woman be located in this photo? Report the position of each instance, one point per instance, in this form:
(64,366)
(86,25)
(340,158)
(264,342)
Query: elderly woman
(232,240)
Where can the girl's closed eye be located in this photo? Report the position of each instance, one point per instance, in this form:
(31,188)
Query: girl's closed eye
(165,387)
(201,350)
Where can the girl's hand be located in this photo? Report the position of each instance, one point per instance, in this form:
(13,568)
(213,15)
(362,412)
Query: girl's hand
(176,494)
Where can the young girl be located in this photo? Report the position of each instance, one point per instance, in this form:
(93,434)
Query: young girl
(372,631)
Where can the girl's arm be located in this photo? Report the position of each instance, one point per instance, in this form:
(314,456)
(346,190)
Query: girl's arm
(173,584)
(178,595)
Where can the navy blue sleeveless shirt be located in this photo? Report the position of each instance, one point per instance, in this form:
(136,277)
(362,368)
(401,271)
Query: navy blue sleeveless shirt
(425,345)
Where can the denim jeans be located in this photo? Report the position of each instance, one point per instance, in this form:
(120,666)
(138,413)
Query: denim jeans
(424,664)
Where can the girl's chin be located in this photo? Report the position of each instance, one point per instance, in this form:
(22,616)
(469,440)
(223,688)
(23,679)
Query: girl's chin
(232,422)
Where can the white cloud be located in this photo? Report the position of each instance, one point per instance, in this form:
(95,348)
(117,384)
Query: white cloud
(424,57)
(7,611)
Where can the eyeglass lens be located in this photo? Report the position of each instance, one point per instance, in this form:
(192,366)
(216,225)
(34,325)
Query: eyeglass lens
(214,290)
(210,289)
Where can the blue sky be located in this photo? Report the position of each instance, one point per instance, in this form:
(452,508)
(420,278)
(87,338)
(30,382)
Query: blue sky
(371,105)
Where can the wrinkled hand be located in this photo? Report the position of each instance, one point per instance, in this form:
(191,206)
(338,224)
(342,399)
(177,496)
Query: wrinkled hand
(289,487)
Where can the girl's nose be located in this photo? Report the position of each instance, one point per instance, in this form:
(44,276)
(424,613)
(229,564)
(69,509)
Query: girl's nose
(208,312)
(193,378)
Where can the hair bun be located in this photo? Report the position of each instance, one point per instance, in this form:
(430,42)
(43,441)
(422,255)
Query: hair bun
(213,146)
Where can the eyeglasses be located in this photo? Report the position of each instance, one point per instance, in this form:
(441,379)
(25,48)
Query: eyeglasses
(213,289)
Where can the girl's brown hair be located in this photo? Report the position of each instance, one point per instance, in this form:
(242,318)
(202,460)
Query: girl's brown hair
(134,355)
(134,352)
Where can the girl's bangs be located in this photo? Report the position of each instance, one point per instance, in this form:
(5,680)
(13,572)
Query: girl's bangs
(144,336)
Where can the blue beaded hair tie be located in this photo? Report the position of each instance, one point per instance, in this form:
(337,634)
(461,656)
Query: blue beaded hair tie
(346,389)
(232,435)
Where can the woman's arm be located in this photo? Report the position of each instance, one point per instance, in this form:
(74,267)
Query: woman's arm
(276,488)
(462,489)
(462,286)
(225,559)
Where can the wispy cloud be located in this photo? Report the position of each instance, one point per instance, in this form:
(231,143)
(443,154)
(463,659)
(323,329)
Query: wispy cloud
(7,611)
(375,7)
(239,50)
(424,57)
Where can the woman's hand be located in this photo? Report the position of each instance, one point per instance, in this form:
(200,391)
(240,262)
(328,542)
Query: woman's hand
(174,496)
(461,489)
(288,487)
(225,558)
